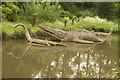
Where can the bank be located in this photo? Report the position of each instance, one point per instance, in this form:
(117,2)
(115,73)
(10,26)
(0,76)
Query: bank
(89,23)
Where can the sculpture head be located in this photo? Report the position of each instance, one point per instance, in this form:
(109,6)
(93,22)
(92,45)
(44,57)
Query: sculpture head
(57,32)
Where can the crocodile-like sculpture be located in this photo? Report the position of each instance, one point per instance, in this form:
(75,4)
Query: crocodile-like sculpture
(80,36)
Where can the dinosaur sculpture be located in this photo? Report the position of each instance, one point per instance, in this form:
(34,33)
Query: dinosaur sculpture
(80,36)
(37,41)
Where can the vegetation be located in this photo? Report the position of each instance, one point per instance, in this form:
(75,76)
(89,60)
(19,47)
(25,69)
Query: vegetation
(67,16)
(17,33)
(66,21)
(89,23)
(115,73)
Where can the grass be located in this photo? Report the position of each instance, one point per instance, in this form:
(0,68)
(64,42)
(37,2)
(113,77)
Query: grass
(16,33)
(89,23)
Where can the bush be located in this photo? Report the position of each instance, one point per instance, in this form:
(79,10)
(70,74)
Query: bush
(99,24)
(18,34)
(105,10)
(46,16)
(85,14)
(45,12)
(9,11)
(89,23)
(65,14)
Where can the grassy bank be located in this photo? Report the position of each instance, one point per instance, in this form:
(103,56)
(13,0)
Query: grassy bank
(89,23)
(16,33)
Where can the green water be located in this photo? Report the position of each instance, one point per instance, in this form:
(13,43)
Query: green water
(21,60)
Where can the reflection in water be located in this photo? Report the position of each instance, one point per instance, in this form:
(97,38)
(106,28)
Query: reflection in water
(24,52)
(75,61)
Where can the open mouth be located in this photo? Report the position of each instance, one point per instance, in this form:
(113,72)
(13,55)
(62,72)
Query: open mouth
(47,29)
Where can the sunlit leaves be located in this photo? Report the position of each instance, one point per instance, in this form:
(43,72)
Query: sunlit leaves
(9,10)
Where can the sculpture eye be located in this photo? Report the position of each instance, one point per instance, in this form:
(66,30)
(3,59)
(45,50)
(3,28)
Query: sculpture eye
(59,32)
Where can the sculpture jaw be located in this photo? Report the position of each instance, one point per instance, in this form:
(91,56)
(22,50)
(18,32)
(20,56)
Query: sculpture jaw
(57,32)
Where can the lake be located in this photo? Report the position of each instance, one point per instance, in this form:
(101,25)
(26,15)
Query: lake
(97,60)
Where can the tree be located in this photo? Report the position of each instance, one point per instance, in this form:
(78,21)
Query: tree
(105,10)
(9,11)
(69,6)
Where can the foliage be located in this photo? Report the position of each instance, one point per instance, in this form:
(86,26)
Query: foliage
(55,15)
(89,23)
(9,11)
(52,11)
(98,24)
(74,17)
(16,33)
(69,6)
(117,9)
(44,11)
(66,18)
(85,14)
(51,6)
(105,10)
(65,14)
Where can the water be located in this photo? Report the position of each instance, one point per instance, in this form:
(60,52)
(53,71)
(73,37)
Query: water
(21,60)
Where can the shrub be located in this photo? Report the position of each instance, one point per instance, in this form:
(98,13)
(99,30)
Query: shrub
(105,10)
(46,11)
(9,11)
(18,34)
(99,24)
(89,23)
(65,14)
(85,14)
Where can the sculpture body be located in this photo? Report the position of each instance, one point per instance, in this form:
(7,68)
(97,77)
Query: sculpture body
(80,36)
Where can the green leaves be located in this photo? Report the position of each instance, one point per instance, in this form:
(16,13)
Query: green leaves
(105,10)
(51,6)
(9,11)
(66,18)
(74,17)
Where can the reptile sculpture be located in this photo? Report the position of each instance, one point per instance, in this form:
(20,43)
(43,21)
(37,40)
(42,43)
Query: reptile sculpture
(80,36)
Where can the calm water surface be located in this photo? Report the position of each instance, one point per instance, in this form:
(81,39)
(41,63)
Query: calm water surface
(21,60)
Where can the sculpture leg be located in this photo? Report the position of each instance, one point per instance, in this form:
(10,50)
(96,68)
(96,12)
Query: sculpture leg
(83,41)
